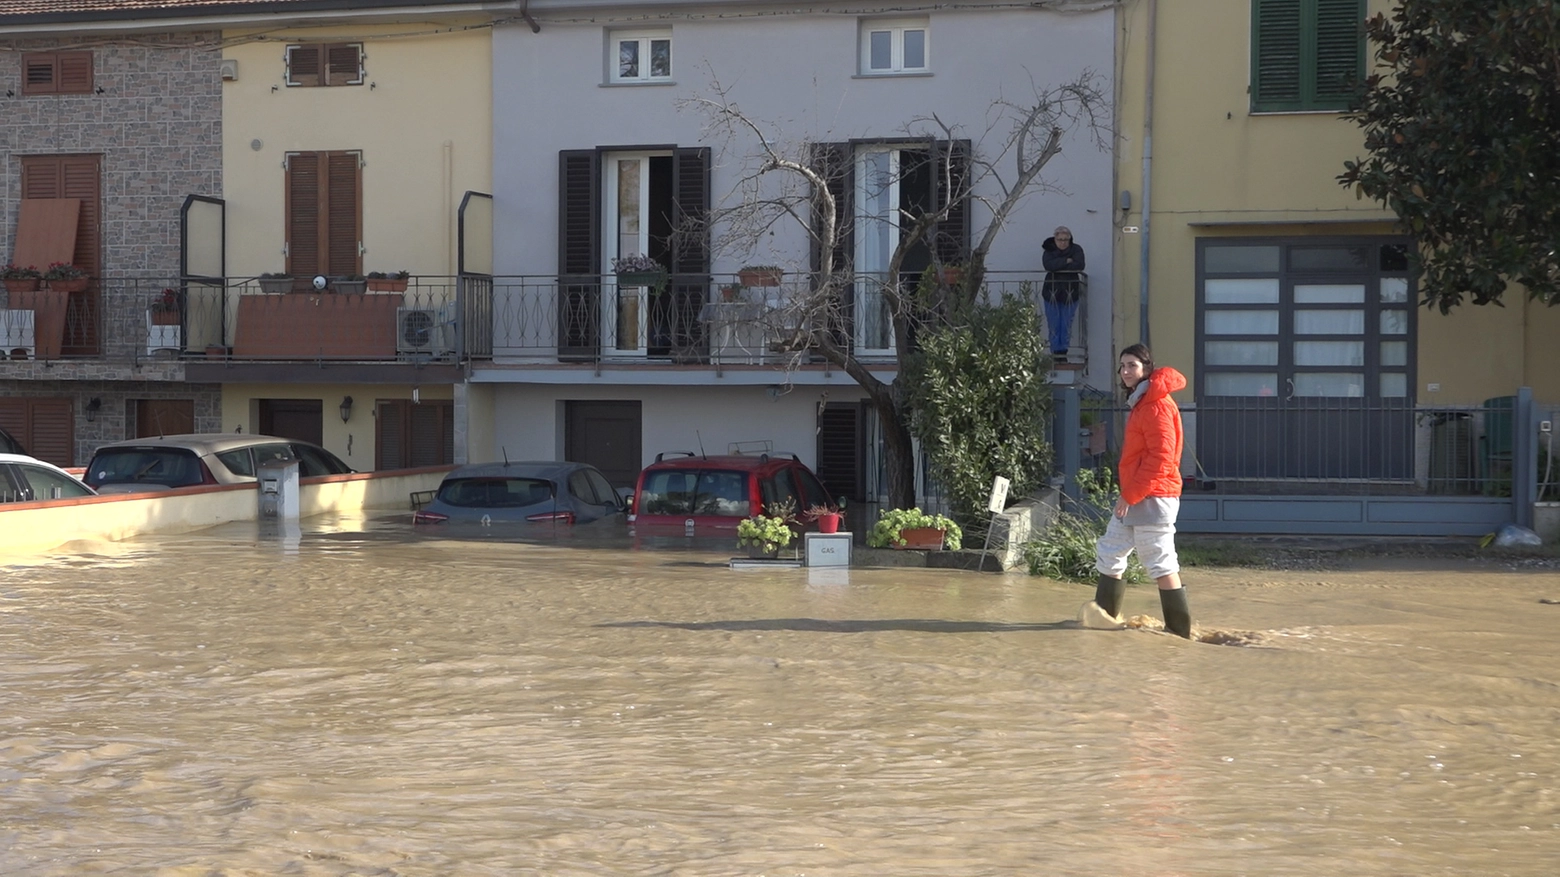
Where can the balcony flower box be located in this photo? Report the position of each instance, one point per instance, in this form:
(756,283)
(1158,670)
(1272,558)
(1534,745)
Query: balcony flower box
(379,281)
(760,275)
(275,284)
(20,278)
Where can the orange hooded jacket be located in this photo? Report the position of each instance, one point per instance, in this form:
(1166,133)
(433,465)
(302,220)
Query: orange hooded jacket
(1151,451)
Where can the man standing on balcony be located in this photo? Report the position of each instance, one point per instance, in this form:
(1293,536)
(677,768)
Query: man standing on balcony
(1063,262)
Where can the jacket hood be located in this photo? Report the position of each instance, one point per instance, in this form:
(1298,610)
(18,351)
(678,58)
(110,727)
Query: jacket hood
(1164,381)
(1050,244)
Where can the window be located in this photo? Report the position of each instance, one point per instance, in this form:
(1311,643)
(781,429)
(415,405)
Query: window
(408,435)
(325,64)
(640,56)
(324,213)
(893,46)
(1306,54)
(57,73)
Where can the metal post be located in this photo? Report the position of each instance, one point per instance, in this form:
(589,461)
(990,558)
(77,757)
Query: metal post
(1071,424)
(1524,457)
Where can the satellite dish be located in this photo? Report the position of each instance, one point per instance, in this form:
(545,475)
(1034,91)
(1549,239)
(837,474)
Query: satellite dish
(321,281)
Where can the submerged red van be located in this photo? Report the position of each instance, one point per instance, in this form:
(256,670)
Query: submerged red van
(716,492)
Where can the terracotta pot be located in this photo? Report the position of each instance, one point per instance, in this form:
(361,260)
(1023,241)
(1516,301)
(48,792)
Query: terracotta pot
(22,284)
(951,276)
(74,284)
(164,318)
(386,284)
(922,538)
(767,277)
(829,523)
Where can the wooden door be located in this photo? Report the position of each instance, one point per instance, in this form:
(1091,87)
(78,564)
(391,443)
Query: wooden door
(300,419)
(78,177)
(605,435)
(155,417)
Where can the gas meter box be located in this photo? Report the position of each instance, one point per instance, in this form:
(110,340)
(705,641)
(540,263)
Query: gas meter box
(277,482)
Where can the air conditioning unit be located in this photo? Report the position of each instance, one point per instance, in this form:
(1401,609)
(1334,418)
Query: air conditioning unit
(425,332)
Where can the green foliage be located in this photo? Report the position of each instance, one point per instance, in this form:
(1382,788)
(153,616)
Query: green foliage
(891,521)
(1462,126)
(977,387)
(1065,550)
(764,531)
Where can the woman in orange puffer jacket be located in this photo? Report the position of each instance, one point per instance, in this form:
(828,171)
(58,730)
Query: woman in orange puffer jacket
(1144,516)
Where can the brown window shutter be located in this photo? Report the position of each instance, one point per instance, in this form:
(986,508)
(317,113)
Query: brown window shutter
(427,435)
(344,62)
(303,214)
(343,213)
(304,64)
(75,73)
(81,178)
(41,73)
(389,438)
(45,427)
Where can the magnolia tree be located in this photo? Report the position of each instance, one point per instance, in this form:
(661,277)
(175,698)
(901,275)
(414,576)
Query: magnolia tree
(796,186)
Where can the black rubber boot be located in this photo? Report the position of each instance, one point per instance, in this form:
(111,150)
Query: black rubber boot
(1178,617)
(1108,593)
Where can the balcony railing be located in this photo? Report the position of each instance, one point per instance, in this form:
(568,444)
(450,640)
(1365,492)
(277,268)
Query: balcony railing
(678,319)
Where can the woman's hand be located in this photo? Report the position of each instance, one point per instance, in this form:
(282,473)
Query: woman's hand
(1121,507)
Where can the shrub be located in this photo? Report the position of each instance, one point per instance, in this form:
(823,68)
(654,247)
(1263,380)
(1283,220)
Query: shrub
(885,532)
(1065,550)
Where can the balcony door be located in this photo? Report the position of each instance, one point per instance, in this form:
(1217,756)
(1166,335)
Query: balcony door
(637,215)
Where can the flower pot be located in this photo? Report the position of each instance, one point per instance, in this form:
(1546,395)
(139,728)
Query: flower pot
(22,284)
(386,284)
(922,538)
(348,287)
(73,284)
(641,278)
(164,318)
(951,276)
(829,522)
(758,552)
(763,277)
(275,285)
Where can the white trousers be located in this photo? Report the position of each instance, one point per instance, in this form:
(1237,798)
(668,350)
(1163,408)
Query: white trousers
(1155,544)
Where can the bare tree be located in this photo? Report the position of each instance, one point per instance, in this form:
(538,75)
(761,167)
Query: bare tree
(793,183)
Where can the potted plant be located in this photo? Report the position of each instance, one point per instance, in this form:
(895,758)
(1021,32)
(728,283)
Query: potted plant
(275,284)
(638,270)
(392,281)
(760,275)
(730,292)
(765,534)
(952,274)
(827,516)
(20,278)
(164,308)
(913,528)
(65,277)
(351,283)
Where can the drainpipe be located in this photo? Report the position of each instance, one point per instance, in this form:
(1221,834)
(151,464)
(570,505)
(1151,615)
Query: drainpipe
(1148,160)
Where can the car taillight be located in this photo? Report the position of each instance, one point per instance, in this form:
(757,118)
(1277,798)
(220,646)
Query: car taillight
(554,517)
(429,518)
(205,473)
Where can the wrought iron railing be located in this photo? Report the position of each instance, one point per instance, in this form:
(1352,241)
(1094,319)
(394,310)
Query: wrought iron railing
(676,319)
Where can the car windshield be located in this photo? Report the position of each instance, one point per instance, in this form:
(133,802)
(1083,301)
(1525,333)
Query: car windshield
(495,493)
(685,492)
(171,467)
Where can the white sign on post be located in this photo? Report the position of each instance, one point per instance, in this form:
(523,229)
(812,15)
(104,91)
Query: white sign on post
(998,500)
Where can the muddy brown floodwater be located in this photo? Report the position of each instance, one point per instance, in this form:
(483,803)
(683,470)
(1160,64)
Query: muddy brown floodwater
(367,702)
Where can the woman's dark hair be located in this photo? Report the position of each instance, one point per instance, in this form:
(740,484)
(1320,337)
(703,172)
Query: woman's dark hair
(1141,354)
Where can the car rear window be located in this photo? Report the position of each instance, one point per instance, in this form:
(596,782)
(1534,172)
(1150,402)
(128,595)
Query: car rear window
(685,492)
(170,467)
(495,493)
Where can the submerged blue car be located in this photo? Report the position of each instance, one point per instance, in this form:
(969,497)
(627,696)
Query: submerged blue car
(538,492)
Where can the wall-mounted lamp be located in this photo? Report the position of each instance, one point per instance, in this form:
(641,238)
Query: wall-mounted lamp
(94,405)
(346,408)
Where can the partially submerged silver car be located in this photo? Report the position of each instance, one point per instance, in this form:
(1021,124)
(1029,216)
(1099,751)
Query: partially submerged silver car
(166,462)
(534,491)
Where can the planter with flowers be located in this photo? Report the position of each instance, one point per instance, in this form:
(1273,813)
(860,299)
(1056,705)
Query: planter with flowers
(164,308)
(639,270)
(764,535)
(827,516)
(65,277)
(912,529)
(20,278)
(388,281)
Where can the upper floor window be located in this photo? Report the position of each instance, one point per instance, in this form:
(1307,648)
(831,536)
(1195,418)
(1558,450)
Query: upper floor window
(1306,54)
(57,73)
(325,64)
(895,45)
(641,56)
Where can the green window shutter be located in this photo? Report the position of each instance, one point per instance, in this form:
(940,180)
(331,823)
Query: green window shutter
(1306,54)
(1339,52)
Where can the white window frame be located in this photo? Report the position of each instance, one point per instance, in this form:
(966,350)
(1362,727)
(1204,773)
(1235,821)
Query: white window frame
(895,28)
(615,40)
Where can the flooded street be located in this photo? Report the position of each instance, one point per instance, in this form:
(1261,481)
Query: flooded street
(365,704)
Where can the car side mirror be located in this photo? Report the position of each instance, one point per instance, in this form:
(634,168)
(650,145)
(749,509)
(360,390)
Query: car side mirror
(625,495)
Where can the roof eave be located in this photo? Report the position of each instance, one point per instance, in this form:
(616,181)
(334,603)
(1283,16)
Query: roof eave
(259,16)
